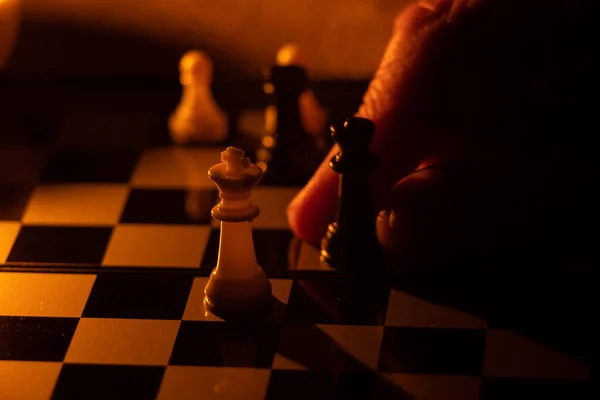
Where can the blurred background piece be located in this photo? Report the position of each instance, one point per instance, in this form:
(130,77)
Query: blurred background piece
(10,19)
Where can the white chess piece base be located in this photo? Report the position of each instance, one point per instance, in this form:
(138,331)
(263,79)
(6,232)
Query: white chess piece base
(237,284)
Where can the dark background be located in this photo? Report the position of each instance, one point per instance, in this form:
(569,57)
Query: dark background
(96,69)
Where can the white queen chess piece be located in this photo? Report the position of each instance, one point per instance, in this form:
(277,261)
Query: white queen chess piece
(197,118)
(238,284)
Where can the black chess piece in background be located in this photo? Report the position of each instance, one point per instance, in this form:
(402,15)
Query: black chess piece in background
(351,242)
(289,155)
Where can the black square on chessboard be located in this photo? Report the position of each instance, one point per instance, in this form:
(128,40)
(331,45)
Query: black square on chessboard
(271,247)
(534,310)
(314,385)
(90,165)
(432,351)
(311,347)
(527,389)
(13,200)
(102,382)
(168,206)
(225,344)
(138,296)
(35,338)
(339,300)
(60,244)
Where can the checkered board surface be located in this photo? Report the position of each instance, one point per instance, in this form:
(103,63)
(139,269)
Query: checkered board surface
(106,254)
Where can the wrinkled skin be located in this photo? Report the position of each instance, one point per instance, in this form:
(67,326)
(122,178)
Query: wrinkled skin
(460,83)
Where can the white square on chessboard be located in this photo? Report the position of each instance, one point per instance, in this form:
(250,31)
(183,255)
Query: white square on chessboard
(122,341)
(8,234)
(436,387)
(360,342)
(76,204)
(214,383)
(195,311)
(28,380)
(273,202)
(408,311)
(176,167)
(44,295)
(509,355)
(147,245)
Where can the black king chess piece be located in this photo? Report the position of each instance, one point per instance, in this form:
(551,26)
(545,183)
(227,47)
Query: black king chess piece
(289,154)
(351,241)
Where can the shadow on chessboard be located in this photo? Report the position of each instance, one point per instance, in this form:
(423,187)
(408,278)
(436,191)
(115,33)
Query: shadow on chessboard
(553,307)
(337,359)
(354,378)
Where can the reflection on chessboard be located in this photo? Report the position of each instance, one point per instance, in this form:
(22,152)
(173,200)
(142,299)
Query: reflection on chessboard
(148,336)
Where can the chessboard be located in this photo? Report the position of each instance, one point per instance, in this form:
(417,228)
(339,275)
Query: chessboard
(105,254)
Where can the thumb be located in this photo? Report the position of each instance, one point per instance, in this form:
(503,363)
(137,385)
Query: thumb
(399,225)
(455,211)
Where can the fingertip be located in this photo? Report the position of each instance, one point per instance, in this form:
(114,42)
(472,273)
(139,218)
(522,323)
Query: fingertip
(435,5)
(313,207)
(304,225)
(383,229)
(295,212)
(414,14)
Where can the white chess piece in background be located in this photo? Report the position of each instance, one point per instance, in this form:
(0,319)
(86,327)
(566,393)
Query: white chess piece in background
(197,118)
(10,21)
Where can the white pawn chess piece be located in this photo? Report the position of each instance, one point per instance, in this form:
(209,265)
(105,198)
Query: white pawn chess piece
(197,118)
(314,116)
(238,284)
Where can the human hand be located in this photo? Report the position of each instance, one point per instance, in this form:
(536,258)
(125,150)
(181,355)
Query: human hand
(458,84)
(398,145)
